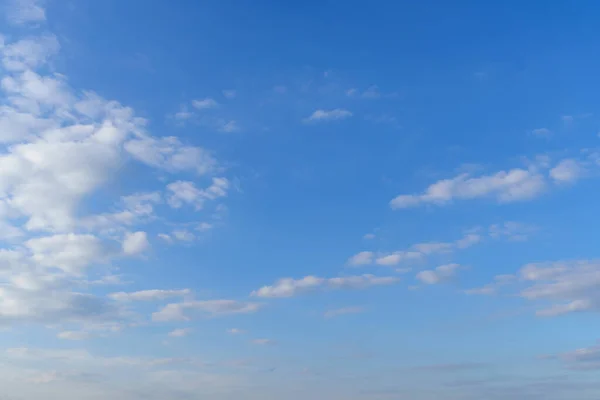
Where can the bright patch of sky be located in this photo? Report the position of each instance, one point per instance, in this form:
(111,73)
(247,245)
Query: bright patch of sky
(277,200)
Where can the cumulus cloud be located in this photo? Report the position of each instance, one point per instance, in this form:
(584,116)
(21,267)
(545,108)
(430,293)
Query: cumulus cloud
(289,287)
(438,275)
(328,115)
(504,186)
(135,243)
(567,171)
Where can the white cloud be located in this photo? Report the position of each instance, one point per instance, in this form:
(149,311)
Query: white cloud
(29,53)
(150,295)
(504,186)
(343,311)
(511,230)
(362,258)
(416,252)
(178,333)
(567,171)
(369,236)
(440,274)
(71,253)
(288,287)
(211,308)
(73,335)
(372,92)
(204,104)
(185,192)
(183,235)
(25,11)
(170,154)
(328,115)
(135,243)
(229,126)
(235,331)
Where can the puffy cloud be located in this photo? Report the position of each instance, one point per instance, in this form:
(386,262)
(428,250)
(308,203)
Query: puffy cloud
(135,243)
(504,186)
(235,331)
(567,171)
(150,295)
(69,252)
(511,230)
(362,258)
(440,274)
(288,287)
(211,308)
(328,115)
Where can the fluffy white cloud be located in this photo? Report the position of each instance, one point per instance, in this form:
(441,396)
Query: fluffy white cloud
(69,252)
(289,287)
(504,186)
(181,311)
(135,243)
(235,331)
(150,295)
(328,115)
(362,258)
(440,274)
(567,171)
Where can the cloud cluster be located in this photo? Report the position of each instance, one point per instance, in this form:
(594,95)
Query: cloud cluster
(519,184)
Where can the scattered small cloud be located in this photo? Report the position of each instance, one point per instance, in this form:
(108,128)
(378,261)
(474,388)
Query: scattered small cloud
(235,331)
(441,274)
(328,115)
(369,236)
(179,333)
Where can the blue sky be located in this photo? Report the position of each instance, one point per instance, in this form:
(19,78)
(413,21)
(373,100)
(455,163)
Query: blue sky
(328,200)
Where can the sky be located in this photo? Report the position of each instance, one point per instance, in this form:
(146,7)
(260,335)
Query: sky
(334,200)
